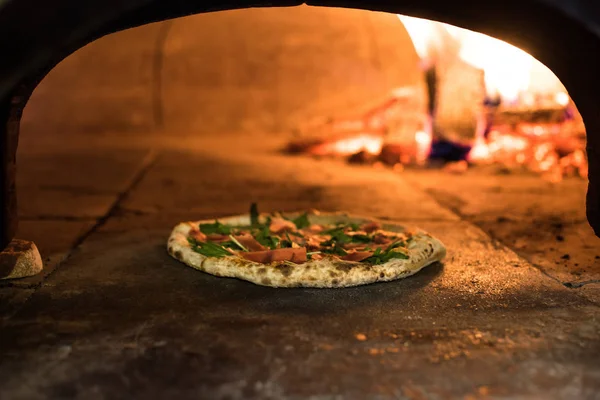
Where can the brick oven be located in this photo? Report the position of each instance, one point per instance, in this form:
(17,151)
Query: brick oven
(122,118)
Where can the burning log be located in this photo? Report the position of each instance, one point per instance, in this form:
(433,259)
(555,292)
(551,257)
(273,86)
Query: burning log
(395,118)
(343,144)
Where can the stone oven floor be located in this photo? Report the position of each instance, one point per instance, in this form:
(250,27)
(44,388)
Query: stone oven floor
(513,312)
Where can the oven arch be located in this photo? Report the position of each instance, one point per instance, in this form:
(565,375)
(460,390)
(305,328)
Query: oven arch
(37,35)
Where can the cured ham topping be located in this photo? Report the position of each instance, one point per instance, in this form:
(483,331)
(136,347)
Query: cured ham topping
(357,256)
(371,227)
(314,242)
(217,237)
(314,228)
(275,238)
(248,241)
(279,225)
(197,235)
(297,256)
(381,238)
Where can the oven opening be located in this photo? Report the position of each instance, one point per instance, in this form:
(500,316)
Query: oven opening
(405,120)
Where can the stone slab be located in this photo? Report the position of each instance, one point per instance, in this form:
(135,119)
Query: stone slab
(543,222)
(123,319)
(202,182)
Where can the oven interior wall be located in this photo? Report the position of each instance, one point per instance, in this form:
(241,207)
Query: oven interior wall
(242,70)
(512,311)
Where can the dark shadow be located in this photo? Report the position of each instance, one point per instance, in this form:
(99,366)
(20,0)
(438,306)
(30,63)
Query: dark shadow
(312,301)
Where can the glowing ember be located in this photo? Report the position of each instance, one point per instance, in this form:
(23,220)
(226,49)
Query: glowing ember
(350,145)
(423,141)
(480,151)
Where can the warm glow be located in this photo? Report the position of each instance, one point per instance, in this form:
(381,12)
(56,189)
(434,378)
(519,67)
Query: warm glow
(562,98)
(424,34)
(506,68)
(480,151)
(351,145)
(509,72)
(524,117)
(423,141)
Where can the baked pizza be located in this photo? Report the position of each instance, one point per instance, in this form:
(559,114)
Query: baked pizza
(310,249)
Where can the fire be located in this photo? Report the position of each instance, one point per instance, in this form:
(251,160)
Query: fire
(369,143)
(525,117)
(427,36)
(509,72)
(423,141)
(507,69)
(519,84)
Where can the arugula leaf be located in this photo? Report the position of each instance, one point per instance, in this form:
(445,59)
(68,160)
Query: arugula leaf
(254,215)
(332,230)
(286,243)
(344,226)
(397,243)
(341,227)
(337,250)
(338,237)
(353,226)
(208,249)
(229,245)
(380,257)
(301,221)
(265,238)
(234,240)
(360,238)
(215,227)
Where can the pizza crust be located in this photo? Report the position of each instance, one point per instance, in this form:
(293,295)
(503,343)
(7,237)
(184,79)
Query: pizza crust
(328,272)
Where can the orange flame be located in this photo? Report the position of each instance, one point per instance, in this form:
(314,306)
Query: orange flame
(509,72)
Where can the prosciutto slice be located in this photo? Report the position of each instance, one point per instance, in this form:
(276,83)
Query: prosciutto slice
(217,237)
(197,235)
(248,241)
(371,227)
(279,225)
(295,255)
(357,256)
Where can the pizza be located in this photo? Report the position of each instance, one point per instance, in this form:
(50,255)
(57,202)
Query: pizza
(309,249)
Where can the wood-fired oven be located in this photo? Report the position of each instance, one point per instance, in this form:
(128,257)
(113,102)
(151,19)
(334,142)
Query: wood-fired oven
(121,119)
